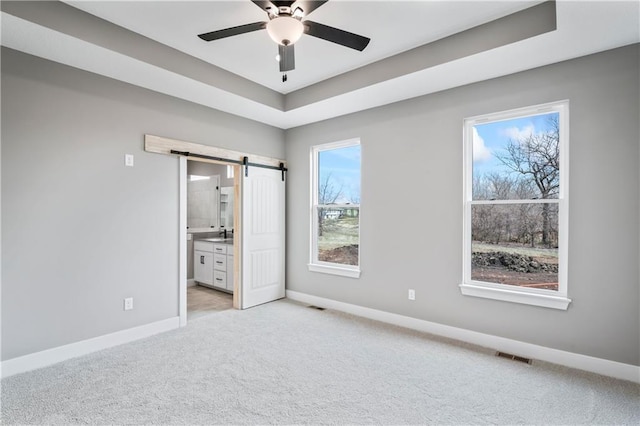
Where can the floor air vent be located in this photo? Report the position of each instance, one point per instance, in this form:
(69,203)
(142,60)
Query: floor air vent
(513,357)
(316,307)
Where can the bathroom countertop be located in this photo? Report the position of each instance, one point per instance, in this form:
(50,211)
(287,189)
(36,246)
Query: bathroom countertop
(218,240)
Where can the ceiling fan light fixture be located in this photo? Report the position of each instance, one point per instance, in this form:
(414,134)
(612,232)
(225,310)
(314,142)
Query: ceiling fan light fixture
(285,30)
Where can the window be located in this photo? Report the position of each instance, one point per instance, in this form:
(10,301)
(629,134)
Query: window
(515,205)
(335,208)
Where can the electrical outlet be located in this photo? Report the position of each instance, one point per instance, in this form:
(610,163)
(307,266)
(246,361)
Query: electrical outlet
(412,294)
(128,303)
(128,160)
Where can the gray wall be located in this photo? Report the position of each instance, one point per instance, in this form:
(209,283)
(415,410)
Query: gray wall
(80,231)
(422,249)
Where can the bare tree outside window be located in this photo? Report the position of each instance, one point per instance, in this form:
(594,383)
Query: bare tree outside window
(514,240)
(328,193)
(536,159)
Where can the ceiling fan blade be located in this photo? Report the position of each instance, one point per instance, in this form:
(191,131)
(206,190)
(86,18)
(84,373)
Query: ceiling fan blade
(265,5)
(287,57)
(228,32)
(309,6)
(335,35)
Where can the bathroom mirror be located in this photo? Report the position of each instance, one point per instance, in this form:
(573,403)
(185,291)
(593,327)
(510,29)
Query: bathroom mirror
(203,202)
(209,197)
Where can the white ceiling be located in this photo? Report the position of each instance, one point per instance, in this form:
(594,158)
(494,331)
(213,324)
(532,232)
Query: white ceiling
(583,27)
(392,26)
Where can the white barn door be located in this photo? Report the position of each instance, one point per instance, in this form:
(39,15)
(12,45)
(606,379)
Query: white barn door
(263,236)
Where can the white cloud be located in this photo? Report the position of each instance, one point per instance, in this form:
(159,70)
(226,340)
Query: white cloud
(480,152)
(517,134)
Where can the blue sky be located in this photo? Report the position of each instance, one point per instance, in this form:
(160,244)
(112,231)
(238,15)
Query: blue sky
(491,138)
(343,165)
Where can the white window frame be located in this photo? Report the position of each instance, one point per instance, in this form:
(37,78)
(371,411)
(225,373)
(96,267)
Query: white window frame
(315,265)
(530,296)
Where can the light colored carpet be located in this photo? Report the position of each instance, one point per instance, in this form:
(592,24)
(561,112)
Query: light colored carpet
(284,363)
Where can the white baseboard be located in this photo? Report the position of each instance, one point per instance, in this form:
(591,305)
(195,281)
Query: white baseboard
(605,367)
(72,350)
(191,282)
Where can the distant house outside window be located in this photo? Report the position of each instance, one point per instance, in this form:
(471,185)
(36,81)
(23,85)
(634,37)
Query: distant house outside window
(515,205)
(335,208)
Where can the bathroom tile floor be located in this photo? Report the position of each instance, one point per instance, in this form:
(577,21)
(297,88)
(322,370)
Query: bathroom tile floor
(203,301)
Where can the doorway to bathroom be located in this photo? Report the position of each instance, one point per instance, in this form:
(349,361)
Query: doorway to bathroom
(258,247)
(210,237)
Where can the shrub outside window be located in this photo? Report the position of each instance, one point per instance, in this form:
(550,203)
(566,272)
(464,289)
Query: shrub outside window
(515,205)
(335,208)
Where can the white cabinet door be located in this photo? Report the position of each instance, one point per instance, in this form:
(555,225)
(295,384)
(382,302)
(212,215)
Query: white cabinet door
(263,210)
(220,262)
(220,248)
(220,279)
(203,267)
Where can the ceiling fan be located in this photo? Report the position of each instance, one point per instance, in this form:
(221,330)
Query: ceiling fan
(287,24)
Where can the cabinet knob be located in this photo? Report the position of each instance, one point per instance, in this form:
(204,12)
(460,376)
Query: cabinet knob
(202,260)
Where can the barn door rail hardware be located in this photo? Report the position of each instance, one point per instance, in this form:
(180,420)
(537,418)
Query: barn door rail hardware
(244,162)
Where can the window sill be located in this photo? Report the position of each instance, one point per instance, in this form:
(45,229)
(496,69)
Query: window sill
(334,270)
(544,300)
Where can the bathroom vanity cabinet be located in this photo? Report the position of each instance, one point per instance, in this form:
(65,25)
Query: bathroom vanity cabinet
(213,264)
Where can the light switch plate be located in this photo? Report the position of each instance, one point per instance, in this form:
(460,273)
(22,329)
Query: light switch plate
(128,160)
